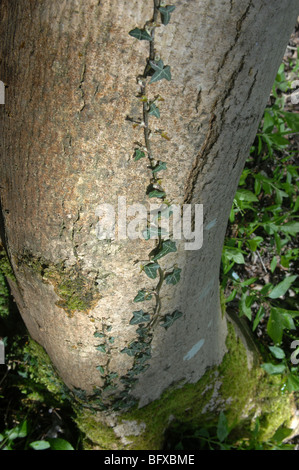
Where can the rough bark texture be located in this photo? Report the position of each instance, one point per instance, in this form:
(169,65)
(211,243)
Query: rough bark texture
(70,68)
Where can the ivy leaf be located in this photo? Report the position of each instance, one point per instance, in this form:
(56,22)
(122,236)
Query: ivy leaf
(142,296)
(168,246)
(161,166)
(97,334)
(165,13)
(151,270)
(154,110)
(140,34)
(139,317)
(161,71)
(138,155)
(101,369)
(154,232)
(170,319)
(128,351)
(101,348)
(174,277)
(156,193)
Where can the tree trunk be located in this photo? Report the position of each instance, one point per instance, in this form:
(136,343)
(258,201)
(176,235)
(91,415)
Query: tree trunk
(73,118)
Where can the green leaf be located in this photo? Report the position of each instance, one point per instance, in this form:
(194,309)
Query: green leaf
(154,232)
(40,445)
(292,120)
(131,352)
(161,71)
(156,193)
(261,312)
(142,296)
(60,444)
(140,34)
(246,195)
(101,348)
(165,13)
(222,427)
(281,434)
(151,270)
(275,326)
(101,369)
(97,334)
(174,277)
(18,431)
(277,352)
(154,110)
(168,246)
(159,167)
(139,317)
(170,319)
(293,383)
(138,155)
(290,228)
(273,264)
(273,369)
(282,287)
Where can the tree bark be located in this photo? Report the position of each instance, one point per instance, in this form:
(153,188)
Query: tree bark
(68,140)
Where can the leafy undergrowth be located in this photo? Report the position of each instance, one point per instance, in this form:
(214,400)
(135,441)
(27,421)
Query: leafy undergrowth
(260,256)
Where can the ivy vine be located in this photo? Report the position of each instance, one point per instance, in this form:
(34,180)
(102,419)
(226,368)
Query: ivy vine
(154,71)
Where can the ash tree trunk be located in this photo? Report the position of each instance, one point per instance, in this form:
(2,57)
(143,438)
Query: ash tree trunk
(136,102)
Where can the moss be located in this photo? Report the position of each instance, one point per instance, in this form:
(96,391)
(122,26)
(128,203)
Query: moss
(97,434)
(5,266)
(76,291)
(241,393)
(40,370)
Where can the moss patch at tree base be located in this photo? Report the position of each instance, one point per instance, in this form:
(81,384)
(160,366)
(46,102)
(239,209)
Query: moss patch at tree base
(242,394)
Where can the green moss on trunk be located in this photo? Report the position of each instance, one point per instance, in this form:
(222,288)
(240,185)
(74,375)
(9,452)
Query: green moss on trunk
(242,393)
(76,291)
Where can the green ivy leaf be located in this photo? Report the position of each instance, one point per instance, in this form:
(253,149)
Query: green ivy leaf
(140,34)
(151,270)
(168,246)
(138,155)
(128,351)
(161,71)
(170,319)
(154,110)
(139,317)
(161,166)
(97,334)
(154,232)
(165,13)
(156,193)
(101,369)
(142,296)
(174,277)
(101,348)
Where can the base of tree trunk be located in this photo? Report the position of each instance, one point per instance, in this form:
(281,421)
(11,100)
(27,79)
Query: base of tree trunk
(239,387)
